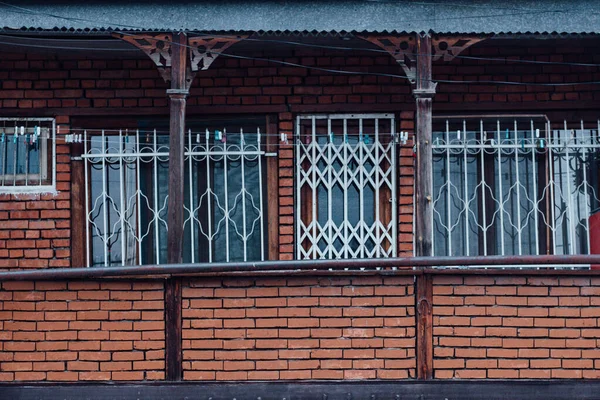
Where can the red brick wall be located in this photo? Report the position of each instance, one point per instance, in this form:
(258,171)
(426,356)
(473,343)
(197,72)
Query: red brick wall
(299,328)
(521,97)
(35,230)
(59,331)
(34,84)
(344,327)
(516,327)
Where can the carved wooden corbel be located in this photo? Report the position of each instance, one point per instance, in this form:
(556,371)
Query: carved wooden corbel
(206,49)
(403,49)
(447,48)
(157,46)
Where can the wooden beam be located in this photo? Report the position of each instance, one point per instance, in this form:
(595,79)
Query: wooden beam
(424,91)
(424,319)
(177,101)
(272,190)
(78,217)
(173,329)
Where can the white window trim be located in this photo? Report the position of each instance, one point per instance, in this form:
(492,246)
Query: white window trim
(31,188)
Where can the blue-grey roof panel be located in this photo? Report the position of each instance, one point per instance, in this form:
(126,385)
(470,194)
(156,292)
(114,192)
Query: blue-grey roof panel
(456,16)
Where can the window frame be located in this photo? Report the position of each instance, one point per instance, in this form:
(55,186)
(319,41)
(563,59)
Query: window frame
(46,177)
(546,177)
(269,174)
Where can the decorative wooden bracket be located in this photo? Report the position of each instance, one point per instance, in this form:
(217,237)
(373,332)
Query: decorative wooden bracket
(447,48)
(202,51)
(403,49)
(206,49)
(156,46)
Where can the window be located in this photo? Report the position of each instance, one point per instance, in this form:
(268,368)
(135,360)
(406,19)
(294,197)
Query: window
(27,155)
(128,185)
(345,186)
(513,186)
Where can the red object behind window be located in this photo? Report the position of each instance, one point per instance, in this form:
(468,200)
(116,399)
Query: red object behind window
(595,236)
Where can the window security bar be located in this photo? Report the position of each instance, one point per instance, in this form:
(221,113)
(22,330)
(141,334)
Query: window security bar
(27,155)
(514,186)
(346,204)
(126,188)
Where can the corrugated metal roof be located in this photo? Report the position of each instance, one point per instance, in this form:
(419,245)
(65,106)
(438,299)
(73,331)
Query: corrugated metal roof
(458,16)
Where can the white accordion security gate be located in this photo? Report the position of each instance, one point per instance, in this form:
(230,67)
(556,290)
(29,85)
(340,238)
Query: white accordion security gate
(345,186)
(514,186)
(126,189)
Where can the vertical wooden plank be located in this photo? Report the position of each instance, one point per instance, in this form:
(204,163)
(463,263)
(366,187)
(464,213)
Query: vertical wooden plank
(272,190)
(424,354)
(78,216)
(177,96)
(173,325)
(424,92)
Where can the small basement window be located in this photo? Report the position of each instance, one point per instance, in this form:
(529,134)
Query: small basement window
(27,155)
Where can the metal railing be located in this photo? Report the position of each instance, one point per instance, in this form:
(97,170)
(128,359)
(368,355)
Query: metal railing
(514,185)
(373,266)
(346,186)
(126,184)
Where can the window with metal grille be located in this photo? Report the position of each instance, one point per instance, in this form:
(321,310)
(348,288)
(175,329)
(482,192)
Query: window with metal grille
(345,186)
(27,155)
(127,195)
(514,185)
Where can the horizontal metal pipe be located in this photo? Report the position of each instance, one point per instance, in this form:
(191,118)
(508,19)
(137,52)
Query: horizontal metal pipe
(304,265)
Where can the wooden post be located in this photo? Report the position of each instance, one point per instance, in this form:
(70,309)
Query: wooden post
(272,190)
(78,217)
(424,92)
(177,98)
(177,95)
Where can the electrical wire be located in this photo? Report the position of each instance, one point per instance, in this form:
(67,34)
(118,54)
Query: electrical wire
(495,59)
(360,73)
(331,70)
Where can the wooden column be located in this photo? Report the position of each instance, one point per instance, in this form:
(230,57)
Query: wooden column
(177,100)
(78,217)
(424,92)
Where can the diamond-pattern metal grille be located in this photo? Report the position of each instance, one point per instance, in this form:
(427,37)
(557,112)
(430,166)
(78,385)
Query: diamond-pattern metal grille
(510,186)
(345,186)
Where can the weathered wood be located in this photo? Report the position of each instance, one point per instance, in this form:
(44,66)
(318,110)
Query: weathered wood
(272,190)
(173,329)
(177,97)
(424,92)
(542,389)
(78,217)
(424,317)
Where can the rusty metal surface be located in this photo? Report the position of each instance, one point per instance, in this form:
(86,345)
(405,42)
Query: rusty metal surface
(382,266)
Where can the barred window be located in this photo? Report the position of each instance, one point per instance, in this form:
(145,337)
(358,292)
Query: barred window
(345,186)
(514,185)
(27,154)
(127,185)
